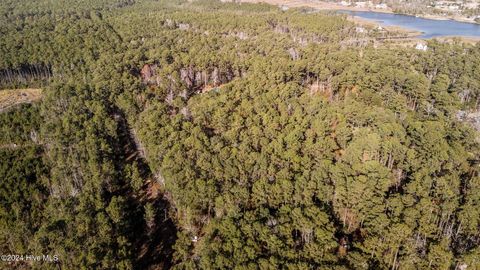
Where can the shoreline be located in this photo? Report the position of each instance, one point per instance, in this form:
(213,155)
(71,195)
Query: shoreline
(411,33)
(326,6)
(321,5)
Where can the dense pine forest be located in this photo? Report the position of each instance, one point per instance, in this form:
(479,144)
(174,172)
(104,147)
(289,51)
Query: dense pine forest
(208,135)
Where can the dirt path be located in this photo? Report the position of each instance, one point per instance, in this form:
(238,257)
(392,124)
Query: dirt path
(153,245)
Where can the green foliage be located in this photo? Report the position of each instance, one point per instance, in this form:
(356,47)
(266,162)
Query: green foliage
(278,141)
(23,197)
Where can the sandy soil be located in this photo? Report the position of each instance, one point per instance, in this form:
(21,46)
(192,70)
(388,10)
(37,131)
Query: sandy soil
(10,98)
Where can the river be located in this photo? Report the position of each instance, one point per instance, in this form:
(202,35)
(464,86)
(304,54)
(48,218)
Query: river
(429,28)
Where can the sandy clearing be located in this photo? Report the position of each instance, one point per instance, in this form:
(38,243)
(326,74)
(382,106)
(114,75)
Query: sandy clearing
(13,97)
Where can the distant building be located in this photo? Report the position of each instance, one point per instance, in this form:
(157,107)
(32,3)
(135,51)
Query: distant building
(447,6)
(472,5)
(183,26)
(361,4)
(345,3)
(453,7)
(421,47)
(359,29)
(381,6)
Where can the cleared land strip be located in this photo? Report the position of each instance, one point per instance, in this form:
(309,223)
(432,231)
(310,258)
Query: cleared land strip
(11,98)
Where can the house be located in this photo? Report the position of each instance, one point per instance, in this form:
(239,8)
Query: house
(453,8)
(447,6)
(361,4)
(471,5)
(359,29)
(421,47)
(381,6)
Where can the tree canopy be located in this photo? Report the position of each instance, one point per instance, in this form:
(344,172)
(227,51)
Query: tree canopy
(209,135)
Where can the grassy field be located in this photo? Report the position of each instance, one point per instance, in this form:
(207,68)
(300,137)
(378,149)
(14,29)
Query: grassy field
(10,98)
